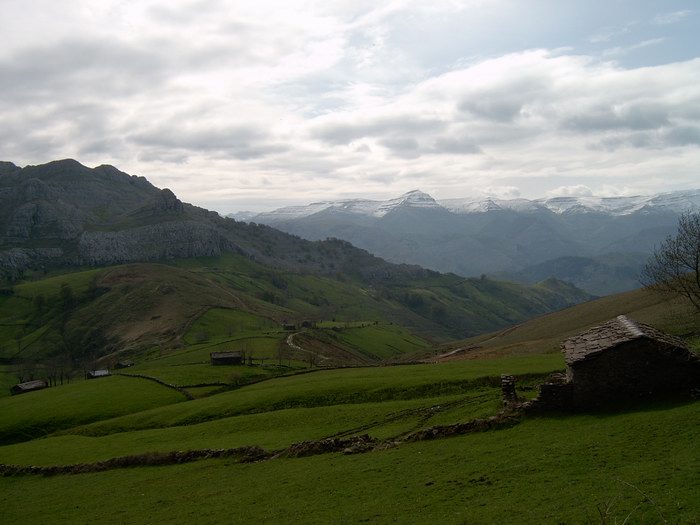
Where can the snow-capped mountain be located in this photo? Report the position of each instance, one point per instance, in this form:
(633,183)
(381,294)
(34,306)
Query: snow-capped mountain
(675,202)
(370,208)
(598,243)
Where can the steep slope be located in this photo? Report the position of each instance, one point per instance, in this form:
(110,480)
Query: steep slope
(62,215)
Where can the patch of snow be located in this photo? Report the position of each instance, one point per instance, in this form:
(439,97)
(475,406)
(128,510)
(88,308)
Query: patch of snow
(676,202)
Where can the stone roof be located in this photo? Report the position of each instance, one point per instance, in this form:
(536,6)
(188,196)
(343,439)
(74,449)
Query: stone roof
(620,330)
(99,373)
(219,355)
(31,385)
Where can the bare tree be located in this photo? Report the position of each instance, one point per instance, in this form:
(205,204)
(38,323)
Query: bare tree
(675,266)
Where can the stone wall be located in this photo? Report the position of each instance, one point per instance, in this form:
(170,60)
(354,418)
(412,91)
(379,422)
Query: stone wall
(634,370)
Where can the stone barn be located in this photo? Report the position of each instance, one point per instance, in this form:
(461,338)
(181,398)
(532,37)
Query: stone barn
(96,374)
(623,360)
(29,386)
(234,357)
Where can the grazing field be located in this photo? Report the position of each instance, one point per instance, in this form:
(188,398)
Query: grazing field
(332,387)
(36,414)
(543,334)
(639,466)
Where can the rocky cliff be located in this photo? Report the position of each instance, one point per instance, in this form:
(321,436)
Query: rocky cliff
(64,213)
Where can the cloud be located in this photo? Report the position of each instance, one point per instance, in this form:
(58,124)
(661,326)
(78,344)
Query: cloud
(618,51)
(635,116)
(237,141)
(578,190)
(670,18)
(608,33)
(315,99)
(339,131)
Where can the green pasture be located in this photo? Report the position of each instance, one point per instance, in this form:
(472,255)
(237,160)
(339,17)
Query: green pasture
(36,414)
(635,467)
(381,341)
(7,379)
(221,323)
(271,430)
(331,387)
(26,312)
(260,345)
(197,374)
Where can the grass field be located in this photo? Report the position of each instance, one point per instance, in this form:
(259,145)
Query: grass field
(40,413)
(639,466)
(543,334)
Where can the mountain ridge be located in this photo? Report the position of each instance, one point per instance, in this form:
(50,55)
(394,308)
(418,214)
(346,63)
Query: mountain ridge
(516,238)
(63,216)
(676,201)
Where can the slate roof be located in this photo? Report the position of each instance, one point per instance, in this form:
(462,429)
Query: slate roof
(30,385)
(622,329)
(99,373)
(220,355)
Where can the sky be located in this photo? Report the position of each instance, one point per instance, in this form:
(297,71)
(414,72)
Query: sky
(254,105)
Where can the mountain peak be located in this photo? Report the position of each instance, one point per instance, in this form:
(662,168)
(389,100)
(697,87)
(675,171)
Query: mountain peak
(412,199)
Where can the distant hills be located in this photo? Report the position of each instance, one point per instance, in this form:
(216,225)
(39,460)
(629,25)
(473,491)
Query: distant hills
(62,216)
(599,244)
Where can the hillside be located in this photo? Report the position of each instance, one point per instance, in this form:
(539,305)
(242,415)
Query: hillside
(543,334)
(251,436)
(63,216)
(610,238)
(130,309)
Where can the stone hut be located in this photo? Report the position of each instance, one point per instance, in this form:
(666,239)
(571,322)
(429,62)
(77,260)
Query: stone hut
(29,386)
(96,374)
(234,357)
(623,360)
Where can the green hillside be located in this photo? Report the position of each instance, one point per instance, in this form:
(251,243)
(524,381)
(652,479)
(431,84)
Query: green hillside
(543,334)
(194,306)
(639,464)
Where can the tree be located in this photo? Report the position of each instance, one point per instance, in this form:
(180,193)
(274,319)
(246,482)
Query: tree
(675,266)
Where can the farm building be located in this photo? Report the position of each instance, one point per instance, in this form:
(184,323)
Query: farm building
(95,374)
(234,357)
(625,360)
(29,386)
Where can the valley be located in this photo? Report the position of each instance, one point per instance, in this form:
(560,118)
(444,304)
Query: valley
(598,244)
(357,376)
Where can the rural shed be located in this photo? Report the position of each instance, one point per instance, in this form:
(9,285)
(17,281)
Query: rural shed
(234,357)
(95,374)
(29,386)
(624,360)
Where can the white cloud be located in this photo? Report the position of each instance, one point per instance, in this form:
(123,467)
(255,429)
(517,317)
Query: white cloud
(579,190)
(617,51)
(229,101)
(670,18)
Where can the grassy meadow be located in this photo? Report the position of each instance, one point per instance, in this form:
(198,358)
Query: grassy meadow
(637,464)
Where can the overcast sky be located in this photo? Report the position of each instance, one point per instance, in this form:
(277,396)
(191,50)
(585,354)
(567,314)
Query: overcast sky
(252,105)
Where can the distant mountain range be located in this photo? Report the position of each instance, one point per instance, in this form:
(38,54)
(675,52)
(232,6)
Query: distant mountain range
(598,243)
(64,216)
